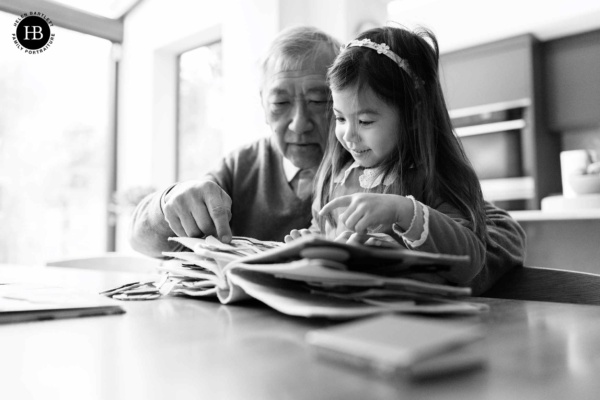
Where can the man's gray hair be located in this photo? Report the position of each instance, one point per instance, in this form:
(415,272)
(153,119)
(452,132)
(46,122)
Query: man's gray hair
(295,48)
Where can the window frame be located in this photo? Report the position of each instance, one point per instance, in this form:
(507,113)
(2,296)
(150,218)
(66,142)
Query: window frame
(166,99)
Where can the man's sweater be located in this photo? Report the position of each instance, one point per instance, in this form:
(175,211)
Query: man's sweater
(264,206)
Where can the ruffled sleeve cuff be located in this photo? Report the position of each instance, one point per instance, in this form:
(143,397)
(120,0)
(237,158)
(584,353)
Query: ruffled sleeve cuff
(418,231)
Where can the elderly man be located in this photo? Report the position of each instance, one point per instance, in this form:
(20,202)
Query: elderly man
(263,189)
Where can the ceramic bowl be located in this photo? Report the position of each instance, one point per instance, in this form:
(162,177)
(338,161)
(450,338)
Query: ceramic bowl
(585,184)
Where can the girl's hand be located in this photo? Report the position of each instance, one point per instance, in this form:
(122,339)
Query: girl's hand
(373,239)
(371,211)
(295,234)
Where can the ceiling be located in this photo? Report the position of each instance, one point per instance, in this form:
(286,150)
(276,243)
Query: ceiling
(465,23)
(113,9)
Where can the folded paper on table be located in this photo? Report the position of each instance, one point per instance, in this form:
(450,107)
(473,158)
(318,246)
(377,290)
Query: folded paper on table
(21,301)
(313,277)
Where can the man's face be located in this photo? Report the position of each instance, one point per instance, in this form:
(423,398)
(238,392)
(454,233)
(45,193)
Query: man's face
(296,105)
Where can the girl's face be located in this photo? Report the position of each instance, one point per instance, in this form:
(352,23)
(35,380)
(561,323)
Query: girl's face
(366,126)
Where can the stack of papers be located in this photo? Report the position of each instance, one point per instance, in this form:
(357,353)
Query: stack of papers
(310,277)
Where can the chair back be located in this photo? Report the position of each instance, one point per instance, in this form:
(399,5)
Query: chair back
(545,284)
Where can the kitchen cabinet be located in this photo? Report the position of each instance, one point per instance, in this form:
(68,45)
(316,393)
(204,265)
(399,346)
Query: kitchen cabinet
(571,70)
(495,96)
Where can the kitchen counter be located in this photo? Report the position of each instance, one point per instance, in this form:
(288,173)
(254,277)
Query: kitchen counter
(562,239)
(538,215)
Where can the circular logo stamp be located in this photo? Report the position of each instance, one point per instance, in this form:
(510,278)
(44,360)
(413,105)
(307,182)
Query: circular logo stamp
(33,34)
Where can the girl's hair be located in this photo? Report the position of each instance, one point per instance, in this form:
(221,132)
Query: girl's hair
(429,160)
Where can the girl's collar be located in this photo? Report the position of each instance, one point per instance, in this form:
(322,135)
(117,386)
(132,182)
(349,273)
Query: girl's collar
(368,179)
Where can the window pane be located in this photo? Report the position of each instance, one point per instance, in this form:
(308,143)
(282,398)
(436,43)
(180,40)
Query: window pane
(54,163)
(200,111)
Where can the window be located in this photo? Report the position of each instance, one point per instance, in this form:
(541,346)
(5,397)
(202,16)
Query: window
(54,148)
(200,115)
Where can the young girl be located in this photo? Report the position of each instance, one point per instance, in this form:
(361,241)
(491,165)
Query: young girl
(394,169)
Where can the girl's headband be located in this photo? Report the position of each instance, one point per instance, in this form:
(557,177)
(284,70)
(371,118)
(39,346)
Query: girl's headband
(384,49)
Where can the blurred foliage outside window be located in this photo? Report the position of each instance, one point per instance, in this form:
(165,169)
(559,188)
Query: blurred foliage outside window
(54,160)
(201,109)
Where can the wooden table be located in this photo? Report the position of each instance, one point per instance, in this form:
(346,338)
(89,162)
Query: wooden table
(196,349)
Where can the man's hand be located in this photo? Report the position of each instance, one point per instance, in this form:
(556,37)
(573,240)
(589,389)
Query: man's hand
(197,209)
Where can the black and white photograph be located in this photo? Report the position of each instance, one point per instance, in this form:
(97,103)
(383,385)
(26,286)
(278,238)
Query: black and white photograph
(279,199)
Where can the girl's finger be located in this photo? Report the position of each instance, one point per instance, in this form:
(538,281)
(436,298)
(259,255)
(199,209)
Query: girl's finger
(357,238)
(343,237)
(353,218)
(342,201)
(362,225)
(374,242)
(347,213)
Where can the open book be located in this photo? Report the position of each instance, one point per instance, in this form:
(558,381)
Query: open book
(311,277)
